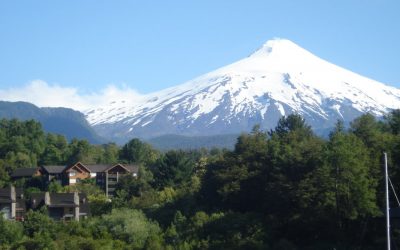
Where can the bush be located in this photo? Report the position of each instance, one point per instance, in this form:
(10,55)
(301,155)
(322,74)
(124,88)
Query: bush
(129,225)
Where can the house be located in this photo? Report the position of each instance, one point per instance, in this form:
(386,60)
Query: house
(107,176)
(12,203)
(25,173)
(62,206)
(75,173)
(53,173)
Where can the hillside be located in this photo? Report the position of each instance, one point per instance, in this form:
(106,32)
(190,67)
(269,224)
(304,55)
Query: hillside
(64,121)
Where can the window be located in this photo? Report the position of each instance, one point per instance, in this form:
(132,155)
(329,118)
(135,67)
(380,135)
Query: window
(72,173)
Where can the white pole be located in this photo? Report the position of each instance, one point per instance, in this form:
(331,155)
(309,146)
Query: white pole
(387,204)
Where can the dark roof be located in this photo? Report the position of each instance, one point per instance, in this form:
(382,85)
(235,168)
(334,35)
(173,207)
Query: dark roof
(5,194)
(53,169)
(23,172)
(78,165)
(62,200)
(98,168)
(132,168)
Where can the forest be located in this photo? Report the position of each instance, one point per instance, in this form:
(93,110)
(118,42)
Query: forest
(286,188)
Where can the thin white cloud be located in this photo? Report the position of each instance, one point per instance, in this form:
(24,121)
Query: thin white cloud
(43,94)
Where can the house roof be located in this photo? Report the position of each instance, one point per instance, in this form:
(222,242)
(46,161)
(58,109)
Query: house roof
(132,168)
(5,194)
(78,165)
(60,200)
(98,168)
(54,169)
(23,172)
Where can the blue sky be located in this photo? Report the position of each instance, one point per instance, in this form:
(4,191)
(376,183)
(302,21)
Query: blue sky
(145,46)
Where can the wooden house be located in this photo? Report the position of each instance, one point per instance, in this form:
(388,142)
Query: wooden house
(62,206)
(73,174)
(107,176)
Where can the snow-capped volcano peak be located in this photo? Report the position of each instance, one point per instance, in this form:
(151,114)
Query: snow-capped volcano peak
(277,45)
(277,79)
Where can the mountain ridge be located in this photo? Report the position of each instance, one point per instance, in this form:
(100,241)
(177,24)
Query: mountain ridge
(64,121)
(278,79)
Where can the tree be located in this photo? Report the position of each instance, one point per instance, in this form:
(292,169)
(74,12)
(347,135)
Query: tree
(131,226)
(111,151)
(55,150)
(11,231)
(367,129)
(355,188)
(393,120)
(136,151)
(38,222)
(290,123)
(173,168)
(79,150)
(136,186)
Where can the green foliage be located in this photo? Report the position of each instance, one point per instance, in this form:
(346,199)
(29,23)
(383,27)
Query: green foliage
(38,241)
(29,191)
(354,186)
(285,189)
(136,151)
(4,176)
(79,150)
(10,231)
(55,187)
(393,121)
(136,186)
(21,143)
(37,222)
(173,168)
(87,187)
(110,155)
(292,123)
(99,204)
(130,226)
(54,153)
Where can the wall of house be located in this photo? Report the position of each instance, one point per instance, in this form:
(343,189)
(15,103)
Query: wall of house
(56,213)
(74,176)
(5,209)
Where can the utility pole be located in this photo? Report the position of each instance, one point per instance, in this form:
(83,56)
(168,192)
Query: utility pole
(387,203)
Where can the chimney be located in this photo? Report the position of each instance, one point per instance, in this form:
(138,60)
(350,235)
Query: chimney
(76,203)
(76,198)
(47,198)
(13,194)
(13,197)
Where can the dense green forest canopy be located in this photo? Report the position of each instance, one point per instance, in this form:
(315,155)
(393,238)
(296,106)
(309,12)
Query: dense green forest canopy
(281,189)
